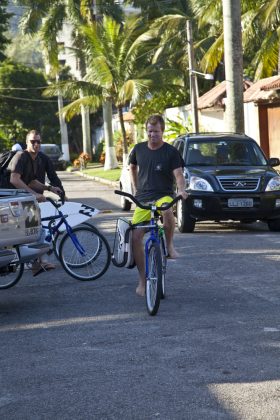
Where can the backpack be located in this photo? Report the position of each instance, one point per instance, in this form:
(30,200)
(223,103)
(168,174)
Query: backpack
(122,255)
(5,159)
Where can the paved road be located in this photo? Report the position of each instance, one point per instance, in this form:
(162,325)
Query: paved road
(72,350)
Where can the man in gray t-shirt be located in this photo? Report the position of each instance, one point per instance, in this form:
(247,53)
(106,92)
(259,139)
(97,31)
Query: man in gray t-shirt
(154,165)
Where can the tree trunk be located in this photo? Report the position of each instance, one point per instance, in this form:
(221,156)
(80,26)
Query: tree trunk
(278,69)
(87,147)
(234,114)
(110,151)
(123,130)
(63,130)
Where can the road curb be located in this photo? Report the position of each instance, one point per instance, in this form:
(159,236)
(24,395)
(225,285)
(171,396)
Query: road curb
(101,180)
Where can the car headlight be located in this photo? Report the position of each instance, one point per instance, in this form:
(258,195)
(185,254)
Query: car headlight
(199,184)
(273,184)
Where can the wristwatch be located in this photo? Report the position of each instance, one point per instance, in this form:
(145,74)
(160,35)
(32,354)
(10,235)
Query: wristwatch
(49,187)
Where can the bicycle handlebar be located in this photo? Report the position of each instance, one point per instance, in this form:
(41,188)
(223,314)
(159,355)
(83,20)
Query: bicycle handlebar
(54,203)
(148,206)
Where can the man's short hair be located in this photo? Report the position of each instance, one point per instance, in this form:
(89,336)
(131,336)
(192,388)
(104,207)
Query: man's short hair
(154,119)
(32,132)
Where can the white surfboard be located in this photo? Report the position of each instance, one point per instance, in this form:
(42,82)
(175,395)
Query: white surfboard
(77,212)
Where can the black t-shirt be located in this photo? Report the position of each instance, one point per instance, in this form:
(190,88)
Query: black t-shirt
(29,169)
(45,168)
(155,170)
(23,164)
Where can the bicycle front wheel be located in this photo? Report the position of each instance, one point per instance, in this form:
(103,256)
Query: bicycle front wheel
(154,279)
(59,235)
(164,265)
(85,253)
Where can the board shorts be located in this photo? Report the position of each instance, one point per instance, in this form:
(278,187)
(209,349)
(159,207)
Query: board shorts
(141,215)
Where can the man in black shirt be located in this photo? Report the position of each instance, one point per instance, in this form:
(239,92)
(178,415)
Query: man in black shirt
(153,167)
(46,168)
(28,169)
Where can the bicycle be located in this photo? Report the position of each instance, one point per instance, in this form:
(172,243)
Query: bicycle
(83,251)
(155,252)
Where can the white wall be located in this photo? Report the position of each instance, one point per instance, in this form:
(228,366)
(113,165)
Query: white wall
(177,113)
(251,120)
(211,120)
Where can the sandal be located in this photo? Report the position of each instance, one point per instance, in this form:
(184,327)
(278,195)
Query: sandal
(41,268)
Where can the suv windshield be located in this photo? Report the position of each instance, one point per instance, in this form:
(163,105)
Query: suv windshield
(229,153)
(50,149)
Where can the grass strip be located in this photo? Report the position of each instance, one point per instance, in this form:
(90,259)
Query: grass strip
(111,174)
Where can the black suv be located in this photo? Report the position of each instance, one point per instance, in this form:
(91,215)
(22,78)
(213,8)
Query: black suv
(228,178)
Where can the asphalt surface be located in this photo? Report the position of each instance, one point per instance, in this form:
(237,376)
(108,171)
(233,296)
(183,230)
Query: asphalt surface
(74,350)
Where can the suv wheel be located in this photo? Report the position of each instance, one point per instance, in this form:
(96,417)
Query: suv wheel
(185,222)
(125,204)
(274,225)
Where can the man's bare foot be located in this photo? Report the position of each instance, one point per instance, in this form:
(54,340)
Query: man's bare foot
(140,290)
(172,253)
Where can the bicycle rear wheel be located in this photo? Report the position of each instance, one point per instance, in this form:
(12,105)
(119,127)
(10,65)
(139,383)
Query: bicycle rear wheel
(11,274)
(164,265)
(154,279)
(85,253)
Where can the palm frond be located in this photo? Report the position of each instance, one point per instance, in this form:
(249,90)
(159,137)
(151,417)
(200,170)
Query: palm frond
(266,59)
(72,89)
(50,27)
(92,102)
(213,56)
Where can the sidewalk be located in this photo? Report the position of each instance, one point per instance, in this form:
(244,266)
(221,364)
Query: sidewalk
(114,184)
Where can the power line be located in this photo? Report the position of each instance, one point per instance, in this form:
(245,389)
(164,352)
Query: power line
(22,88)
(27,99)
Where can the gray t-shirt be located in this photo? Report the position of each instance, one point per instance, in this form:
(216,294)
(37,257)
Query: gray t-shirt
(155,170)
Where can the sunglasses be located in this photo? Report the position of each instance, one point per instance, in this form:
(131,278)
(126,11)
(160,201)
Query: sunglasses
(35,141)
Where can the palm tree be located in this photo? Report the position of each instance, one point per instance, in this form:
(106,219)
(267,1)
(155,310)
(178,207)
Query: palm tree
(260,21)
(119,69)
(48,17)
(261,29)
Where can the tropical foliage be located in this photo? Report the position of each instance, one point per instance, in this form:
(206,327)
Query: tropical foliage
(176,128)
(4,25)
(119,68)
(27,50)
(143,63)
(20,95)
(260,22)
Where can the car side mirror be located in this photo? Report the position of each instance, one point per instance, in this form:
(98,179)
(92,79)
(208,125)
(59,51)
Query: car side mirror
(274,162)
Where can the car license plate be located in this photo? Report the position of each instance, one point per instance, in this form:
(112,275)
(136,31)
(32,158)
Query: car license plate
(240,202)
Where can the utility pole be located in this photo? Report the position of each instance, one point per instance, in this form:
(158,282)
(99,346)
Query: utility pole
(193,81)
(234,114)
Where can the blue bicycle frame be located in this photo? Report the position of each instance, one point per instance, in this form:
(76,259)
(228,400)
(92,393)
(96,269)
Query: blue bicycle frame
(52,230)
(153,237)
